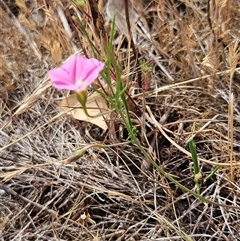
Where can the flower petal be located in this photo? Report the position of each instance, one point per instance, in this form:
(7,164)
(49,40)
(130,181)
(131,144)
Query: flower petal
(71,65)
(63,86)
(88,70)
(61,79)
(76,70)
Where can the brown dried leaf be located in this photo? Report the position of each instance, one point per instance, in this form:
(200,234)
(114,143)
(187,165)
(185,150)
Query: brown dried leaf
(96,105)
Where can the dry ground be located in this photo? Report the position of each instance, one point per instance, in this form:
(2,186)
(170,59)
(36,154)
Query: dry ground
(112,193)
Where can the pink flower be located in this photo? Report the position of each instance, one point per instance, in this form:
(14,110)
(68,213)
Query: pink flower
(76,74)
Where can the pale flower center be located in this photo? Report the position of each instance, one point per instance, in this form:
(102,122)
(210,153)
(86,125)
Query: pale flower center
(79,82)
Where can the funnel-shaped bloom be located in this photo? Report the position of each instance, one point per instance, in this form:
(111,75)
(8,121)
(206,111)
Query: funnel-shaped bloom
(76,74)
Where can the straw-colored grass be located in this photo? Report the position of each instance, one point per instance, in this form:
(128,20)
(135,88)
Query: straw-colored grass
(192,88)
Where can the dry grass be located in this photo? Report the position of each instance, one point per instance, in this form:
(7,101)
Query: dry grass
(112,193)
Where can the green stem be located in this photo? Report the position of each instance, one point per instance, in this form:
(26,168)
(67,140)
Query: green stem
(135,141)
